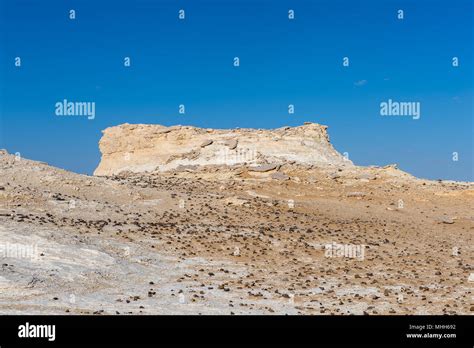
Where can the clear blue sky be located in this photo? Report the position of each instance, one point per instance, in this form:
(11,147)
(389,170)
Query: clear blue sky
(282,62)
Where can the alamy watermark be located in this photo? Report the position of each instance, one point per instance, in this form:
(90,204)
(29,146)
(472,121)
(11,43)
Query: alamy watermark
(19,251)
(68,108)
(395,108)
(238,155)
(37,331)
(353,251)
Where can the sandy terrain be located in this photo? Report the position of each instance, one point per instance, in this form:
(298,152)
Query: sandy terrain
(244,240)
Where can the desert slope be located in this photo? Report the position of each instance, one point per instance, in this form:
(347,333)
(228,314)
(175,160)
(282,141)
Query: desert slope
(247,238)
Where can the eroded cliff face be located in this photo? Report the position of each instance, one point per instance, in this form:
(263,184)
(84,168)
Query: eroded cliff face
(148,148)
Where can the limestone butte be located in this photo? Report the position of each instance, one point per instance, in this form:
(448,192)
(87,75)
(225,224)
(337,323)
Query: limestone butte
(148,148)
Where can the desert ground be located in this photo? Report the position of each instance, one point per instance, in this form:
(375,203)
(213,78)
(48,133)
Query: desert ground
(234,239)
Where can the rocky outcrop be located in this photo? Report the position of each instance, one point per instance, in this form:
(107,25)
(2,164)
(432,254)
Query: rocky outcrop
(148,148)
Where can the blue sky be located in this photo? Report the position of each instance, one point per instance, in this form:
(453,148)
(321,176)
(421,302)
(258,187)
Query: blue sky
(282,62)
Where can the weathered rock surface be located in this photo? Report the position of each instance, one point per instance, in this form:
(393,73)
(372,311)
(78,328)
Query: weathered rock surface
(263,168)
(279,176)
(147,148)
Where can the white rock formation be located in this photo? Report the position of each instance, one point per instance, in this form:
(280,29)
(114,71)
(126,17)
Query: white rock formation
(148,148)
